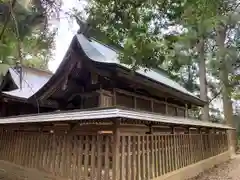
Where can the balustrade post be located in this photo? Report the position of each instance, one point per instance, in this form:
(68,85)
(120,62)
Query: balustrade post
(201,154)
(175,164)
(210,141)
(116,147)
(190,144)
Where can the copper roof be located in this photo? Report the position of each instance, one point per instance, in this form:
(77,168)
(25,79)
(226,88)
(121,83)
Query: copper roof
(100,53)
(104,113)
(104,54)
(33,80)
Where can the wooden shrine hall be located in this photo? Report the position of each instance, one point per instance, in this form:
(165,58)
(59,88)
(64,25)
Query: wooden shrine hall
(96,119)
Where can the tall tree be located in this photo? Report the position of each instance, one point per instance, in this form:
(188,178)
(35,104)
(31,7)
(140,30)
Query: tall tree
(24,31)
(157,32)
(196,17)
(143,37)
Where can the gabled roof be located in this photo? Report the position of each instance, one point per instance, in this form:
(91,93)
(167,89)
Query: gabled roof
(97,52)
(33,80)
(104,54)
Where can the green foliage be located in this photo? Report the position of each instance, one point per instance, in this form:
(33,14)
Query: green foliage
(132,28)
(166,34)
(26,29)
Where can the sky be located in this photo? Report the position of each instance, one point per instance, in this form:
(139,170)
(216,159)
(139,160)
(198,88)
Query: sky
(65,33)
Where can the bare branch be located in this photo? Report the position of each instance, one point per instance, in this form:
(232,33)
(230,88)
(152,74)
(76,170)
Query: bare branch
(216,95)
(18,43)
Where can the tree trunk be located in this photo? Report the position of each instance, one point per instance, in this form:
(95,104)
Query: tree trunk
(224,73)
(203,80)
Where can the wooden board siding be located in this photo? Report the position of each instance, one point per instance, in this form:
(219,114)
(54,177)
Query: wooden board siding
(159,107)
(135,101)
(122,98)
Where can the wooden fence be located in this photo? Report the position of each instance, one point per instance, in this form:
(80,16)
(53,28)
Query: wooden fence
(150,156)
(91,157)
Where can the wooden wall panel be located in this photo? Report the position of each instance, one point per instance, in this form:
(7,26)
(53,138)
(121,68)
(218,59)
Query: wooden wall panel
(143,104)
(171,110)
(124,100)
(159,107)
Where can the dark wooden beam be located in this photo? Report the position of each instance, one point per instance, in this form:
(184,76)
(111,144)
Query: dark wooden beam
(57,84)
(48,103)
(166,90)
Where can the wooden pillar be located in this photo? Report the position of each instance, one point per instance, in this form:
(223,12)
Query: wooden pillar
(210,141)
(231,141)
(201,154)
(186,110)
(166,104)
(175,163)
(100,100)
(150,129)
(152,107)
(114,97)
(190,146)
(230,132)
(116,152)
(135,102)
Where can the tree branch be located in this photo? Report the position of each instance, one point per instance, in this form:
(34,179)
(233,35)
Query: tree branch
(216,95)
(18,44)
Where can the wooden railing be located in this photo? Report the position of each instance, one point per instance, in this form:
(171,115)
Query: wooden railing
(85,157)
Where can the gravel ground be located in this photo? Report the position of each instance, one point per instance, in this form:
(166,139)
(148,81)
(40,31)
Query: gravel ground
(226,171)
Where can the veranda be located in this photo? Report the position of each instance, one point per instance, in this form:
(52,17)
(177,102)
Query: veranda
(113,143)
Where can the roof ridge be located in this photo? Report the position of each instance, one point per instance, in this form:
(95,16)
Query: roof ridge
(157,70)
(102,43)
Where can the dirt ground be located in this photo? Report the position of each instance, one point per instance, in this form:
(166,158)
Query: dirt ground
(9,171)
(226,171)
